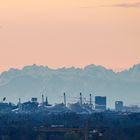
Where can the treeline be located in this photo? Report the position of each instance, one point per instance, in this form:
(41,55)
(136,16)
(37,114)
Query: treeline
(101,126)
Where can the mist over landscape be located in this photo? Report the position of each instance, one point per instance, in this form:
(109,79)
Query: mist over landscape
(33,81)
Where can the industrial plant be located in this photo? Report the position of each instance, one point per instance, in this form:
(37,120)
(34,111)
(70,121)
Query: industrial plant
(83,105)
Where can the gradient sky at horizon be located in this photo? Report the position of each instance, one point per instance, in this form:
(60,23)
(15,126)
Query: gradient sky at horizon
(60,33)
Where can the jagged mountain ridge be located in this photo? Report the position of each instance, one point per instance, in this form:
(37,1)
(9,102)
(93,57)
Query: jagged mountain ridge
(32,80)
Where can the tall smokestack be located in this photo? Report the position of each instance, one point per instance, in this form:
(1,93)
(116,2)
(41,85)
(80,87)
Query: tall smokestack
(65,102)
(20,105)
(42,100)
(90,100)
(81,102)
(46,102)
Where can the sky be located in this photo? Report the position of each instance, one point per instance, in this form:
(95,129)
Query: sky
(65,33)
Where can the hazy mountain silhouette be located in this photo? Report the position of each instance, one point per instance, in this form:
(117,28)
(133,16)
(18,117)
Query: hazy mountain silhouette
(32,81)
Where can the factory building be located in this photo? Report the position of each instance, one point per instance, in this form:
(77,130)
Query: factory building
(34,99)
(100,103)
(30,105)
(6,107)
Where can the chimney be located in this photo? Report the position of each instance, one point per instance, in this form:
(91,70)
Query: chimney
(90,100)
(65,102)
(81,102)
(42,100)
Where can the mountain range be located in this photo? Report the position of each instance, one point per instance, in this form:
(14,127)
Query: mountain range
(34,80)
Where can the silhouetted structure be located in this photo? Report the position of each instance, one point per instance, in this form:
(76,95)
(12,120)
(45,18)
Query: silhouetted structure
(100,103)
(119,105)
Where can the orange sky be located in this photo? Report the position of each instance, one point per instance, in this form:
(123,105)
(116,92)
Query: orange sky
(67,33)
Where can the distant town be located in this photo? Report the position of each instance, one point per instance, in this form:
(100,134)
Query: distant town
(82,106)
(83,120)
